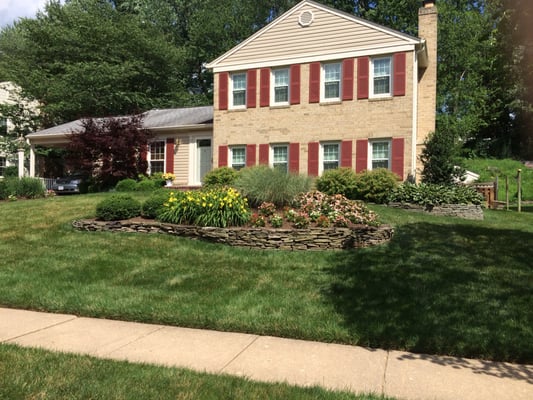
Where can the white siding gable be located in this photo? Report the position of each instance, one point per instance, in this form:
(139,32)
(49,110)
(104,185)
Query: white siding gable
(331,35)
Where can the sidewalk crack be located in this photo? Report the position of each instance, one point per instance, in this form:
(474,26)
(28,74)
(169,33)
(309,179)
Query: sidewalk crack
(384,381)
(39,330)
(239,353)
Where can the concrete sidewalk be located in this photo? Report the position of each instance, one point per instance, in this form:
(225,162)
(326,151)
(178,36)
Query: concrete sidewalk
(262,358)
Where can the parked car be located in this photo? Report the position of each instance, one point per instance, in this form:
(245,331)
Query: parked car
(70,184)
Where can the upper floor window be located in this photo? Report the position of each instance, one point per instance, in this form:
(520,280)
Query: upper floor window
(281,86)
(238,157)
(3,126)
(331,74)
(330,156)
(238,90)
(381,77)
(157,156)
(280,157)
(379,154)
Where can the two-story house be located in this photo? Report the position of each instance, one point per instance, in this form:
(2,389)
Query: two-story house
(318,89)
(313,90)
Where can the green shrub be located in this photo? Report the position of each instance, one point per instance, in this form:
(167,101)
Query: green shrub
(218,207)
(11,172)
(155,204)
(338,181)
(117,207)
(126,185)
(375,186)
(5,189)
(432,194)
(147,185)
(223,176)
(26,187)
(263,184)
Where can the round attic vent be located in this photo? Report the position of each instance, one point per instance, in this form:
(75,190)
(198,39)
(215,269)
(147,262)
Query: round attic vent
(305,18)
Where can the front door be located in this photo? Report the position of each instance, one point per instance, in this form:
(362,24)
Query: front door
(204,157)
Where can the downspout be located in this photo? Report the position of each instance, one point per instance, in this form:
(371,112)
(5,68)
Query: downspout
(415,109)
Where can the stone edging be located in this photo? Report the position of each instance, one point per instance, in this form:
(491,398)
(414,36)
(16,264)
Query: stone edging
(259,238)
(466,211)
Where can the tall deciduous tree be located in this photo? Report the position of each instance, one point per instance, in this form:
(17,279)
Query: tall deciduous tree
(84,58)
(110,149)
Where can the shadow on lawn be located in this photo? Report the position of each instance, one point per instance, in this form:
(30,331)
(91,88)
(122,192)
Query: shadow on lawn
(459,290)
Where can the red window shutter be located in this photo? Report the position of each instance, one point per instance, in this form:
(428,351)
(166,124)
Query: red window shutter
(295,84)
(398,66)
(362,77)
(346,153)
(251,83)
(312,158)
(347,79)
(294,158)
(250,155)
(144,152)
(361,155)
(222,156)
(169,156)
(264,151)
(264,92)
(223,79)
(314,82)
(397,156)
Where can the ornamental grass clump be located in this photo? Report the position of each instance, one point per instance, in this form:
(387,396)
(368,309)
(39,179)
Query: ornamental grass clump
(218,207)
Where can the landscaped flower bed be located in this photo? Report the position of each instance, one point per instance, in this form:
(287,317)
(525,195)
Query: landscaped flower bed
(315,222)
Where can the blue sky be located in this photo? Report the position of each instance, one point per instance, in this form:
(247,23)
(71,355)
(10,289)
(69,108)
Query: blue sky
(11,10)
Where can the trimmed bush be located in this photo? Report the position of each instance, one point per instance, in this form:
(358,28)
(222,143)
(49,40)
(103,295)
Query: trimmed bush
(338,181)
(155,204)
(223,176)
(427,194)
(375,186)
(117,207)
(126,185)
(147,185)
(5,189)
(29,188)
(263,184)
(218,207)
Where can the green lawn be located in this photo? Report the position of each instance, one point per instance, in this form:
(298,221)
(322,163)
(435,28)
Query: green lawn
(442,286)
(39,374)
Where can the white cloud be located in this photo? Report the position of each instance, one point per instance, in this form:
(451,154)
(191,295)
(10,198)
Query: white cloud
(12,10)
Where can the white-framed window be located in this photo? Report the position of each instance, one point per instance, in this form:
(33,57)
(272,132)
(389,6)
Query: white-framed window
(157,156)
(330,156)
(381,79)
(280,86)
(331,78)
(238,90)
(380,154)
(3,165)
(238,157)
(280,157)
(3,126)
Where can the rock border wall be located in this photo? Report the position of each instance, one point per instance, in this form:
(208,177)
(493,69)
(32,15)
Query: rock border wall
(465,211)
(258,238)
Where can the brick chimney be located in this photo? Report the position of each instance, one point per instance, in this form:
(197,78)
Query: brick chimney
(427,76)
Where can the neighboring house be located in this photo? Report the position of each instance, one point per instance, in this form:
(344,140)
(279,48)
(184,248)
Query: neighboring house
(182,142)
(318,89)
(10,94)
(315,89)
